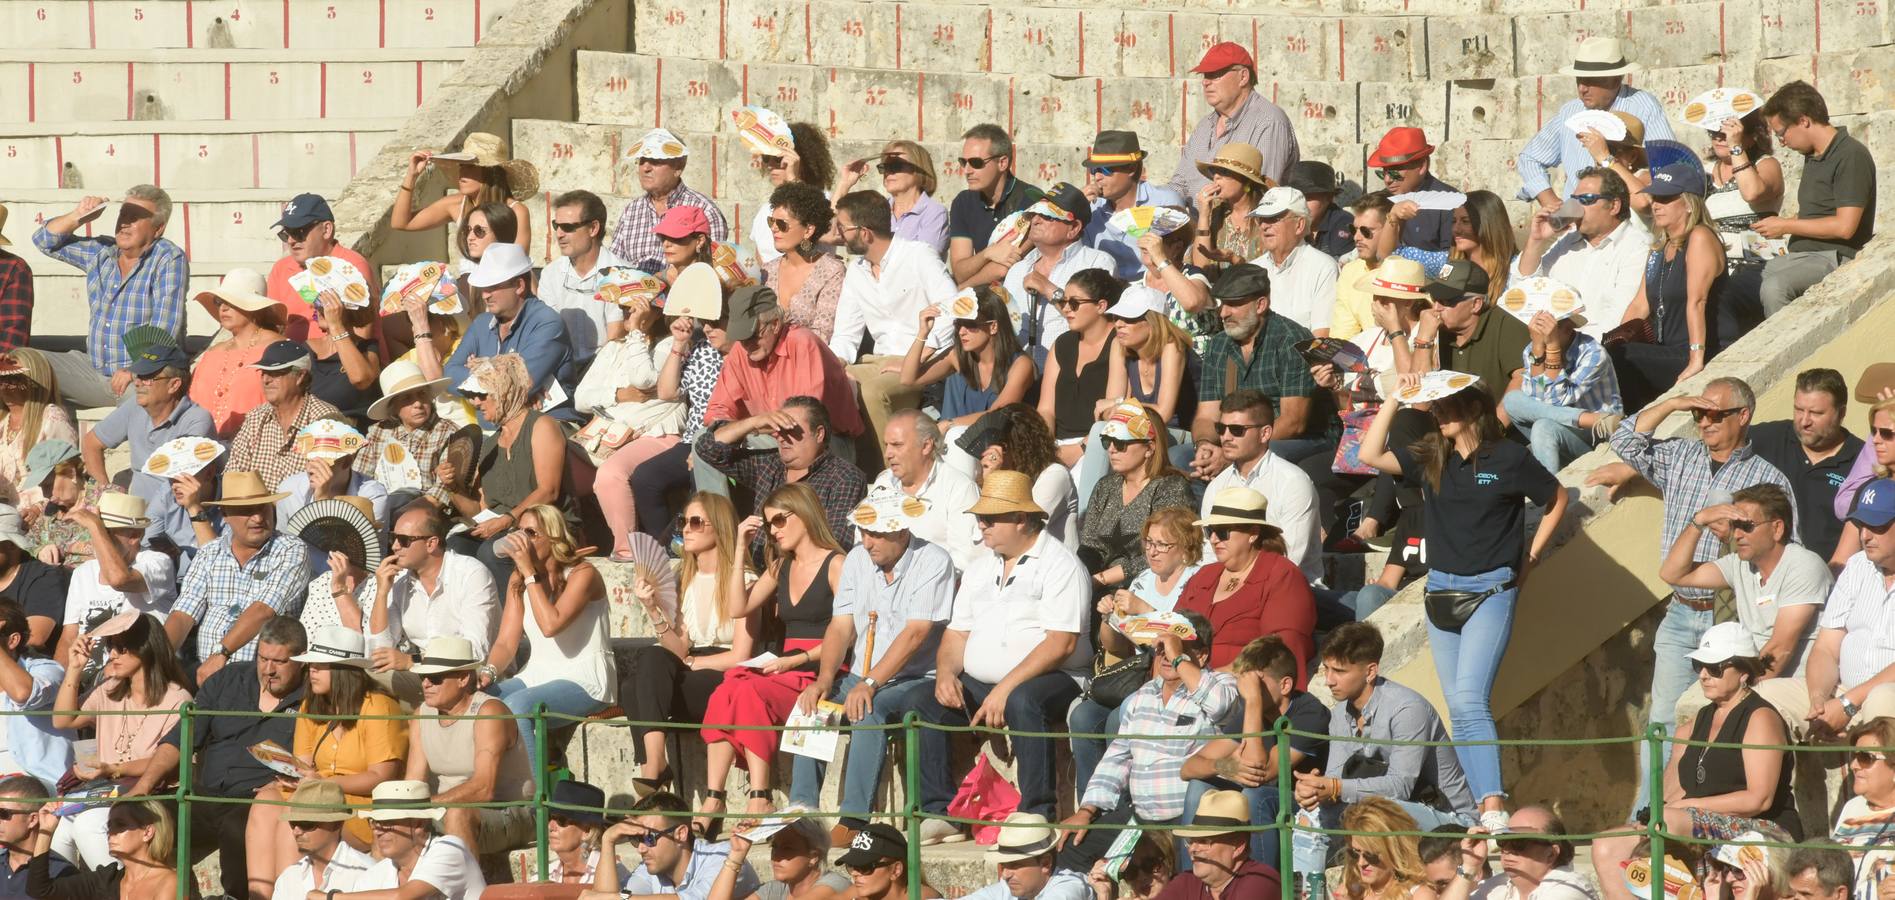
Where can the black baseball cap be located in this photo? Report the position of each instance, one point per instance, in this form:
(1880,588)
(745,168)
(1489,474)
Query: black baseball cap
(874,846)
(1455,279)
(154,359)
(305,209)
(285,354)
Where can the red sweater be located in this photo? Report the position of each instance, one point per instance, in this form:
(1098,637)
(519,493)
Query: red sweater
(1274,599)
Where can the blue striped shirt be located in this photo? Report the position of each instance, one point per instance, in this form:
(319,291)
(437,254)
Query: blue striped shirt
(218,589)
(152,295)
(1587,381)
(1556,145)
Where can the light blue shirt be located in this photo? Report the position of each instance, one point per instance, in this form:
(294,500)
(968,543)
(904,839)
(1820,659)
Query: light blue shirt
(38,749)
(1145,587)
(538,335)
(129,423)
(1123,249)
(923,589)
(699,874)
(1556,145)
(1065,884)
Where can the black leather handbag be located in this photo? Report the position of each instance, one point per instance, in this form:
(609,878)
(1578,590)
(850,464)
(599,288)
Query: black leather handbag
(1113,682)
(1449,610)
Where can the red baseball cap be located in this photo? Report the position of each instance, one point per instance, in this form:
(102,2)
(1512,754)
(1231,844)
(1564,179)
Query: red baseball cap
(1400,146)
(1223,56)
(681,222)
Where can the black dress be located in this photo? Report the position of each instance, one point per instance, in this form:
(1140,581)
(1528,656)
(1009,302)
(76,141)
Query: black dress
(330,381)
(1079,388)
(805,621)
(1647,371)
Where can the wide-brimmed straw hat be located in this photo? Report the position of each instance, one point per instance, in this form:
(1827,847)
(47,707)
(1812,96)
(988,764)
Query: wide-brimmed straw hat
(1397,276)
(406,794)
(1239,159)
(1005,491)
(1023,836)
(1600,57)
(399,378)
(123,511)
(335,645)
(447,654)
(317,801)
(490,151)
(244,489)
(1236,506)
(1218,812)
(244,289)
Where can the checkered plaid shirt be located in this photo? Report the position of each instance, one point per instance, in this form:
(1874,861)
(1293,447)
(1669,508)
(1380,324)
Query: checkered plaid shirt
(1681,469)
(1587,382)
(1149,768)
(267,448)
(152,295)
(424,444)
(637,244)
(1274,368)
(836,481)
(217,589)
(16,301)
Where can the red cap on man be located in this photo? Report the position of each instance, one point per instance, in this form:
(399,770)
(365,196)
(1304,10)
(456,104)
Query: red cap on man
(1223,56)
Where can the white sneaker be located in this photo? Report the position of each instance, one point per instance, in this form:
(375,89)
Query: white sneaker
(939,831)
(1495,821)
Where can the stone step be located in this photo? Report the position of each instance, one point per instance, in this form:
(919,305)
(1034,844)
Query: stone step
(183,24)
(225,226)
(106,156)
(89,85)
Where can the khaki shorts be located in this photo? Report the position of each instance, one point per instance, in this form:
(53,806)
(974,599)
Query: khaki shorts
(509,828)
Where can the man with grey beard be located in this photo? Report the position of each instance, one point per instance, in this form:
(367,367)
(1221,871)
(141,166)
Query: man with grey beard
(1258,350)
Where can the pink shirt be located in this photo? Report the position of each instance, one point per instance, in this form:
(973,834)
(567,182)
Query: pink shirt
(227,390)
(126,738)
(799,366)
(302,316)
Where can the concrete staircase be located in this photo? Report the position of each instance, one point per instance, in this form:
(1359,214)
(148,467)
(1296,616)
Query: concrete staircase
(233,107)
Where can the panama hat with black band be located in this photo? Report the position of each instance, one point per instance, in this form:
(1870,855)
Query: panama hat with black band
(1218,813)
(1023,836)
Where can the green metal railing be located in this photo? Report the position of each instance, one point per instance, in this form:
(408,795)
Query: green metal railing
(1653,742)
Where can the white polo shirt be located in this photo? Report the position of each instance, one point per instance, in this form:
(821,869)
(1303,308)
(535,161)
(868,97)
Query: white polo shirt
(1303,288)
(1606,275)
(346,867)
(445,864)
(1005,617)
(1290,499)
(887,305)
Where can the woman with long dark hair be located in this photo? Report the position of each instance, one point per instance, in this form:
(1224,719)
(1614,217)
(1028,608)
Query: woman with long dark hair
(1081,361)
(1475,485)
(1483,235)
(986,369)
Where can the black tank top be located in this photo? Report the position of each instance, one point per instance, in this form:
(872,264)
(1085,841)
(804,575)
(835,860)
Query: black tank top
(1710,771)
(1079,389)
(805,621)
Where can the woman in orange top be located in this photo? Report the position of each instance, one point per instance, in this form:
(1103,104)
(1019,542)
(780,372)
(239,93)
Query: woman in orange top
(358,755)
(220,381)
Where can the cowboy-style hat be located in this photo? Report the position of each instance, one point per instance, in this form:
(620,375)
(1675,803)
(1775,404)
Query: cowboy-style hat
(243,489)
(244,289)
(1397,276)
(1218,812)
(1239,159)
(1236,506)
(1400,146)
(399,378)
(409,795)
(1025,836)
(1115,148)
(123,511)
(317,801)
(341,524)
(1005,491)
(335,645)
(489,151)
(447,654)
(1599,57)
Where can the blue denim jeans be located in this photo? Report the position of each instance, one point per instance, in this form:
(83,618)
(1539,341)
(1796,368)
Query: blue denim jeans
(1677,635)
(1088,717)
(1552,431)
(559,696)
(1466,662)
(1037,705)
(867,751)
(1366,599)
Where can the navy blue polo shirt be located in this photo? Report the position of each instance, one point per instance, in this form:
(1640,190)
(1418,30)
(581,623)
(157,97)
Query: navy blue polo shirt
(1815,484)
(970,217)
(1477,521)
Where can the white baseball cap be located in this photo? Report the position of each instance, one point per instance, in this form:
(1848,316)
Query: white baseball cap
(502,263)
(1725,642)
(1137,300)
(1279,200)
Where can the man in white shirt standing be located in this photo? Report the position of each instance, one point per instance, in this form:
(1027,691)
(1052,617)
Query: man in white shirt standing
(1014,653)
(568,283)
(423,591)
(1243,433)
(1036,278)
(1302,278)
(122,577)
(328,862)
(1602,256)
(888,284)
(913,447)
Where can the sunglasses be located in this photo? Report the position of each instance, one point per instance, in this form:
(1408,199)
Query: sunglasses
(896,167)
(779,520)
(1457,301)
(1393,174)
(1367,856)
(1119,445)
(479,231)
(650,838)
(771,162)
(1072,303)
(1364,231)
(1883,434)
(297,234)
(569,227)
(989,521)
(1588,199)
(1103,171)
(869,869)
(1714,416)
(119,826)
(1270,220)
(403,540)
(1233,429)
(1221,532)
(695,523)
(434,677)
(1522,845)
(1743,525)
(1213,76)
(1864,759)
(779,225)
(1717,669)
(977,162)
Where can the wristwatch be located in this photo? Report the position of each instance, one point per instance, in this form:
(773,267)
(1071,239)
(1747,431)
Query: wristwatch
(1464,873)
(201,517)
(872,683)
(1850,708)
(1181,660)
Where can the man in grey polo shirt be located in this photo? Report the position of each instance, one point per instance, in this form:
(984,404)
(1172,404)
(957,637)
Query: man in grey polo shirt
(158,411)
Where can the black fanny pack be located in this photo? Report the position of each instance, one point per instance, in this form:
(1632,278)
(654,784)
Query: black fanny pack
(1449,610)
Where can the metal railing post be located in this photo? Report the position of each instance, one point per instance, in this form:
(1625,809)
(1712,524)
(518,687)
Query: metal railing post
(911,749)
(1285,810)
(186,877)
(540,793)
(1655,826)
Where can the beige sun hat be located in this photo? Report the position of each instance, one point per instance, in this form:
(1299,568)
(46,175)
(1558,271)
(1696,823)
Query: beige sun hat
(244,289)
(1239,159)
(490,151)
(399,378)
(1004,491)
(1398,277)
(1600,57)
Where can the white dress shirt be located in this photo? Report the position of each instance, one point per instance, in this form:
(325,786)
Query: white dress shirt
(1864,609)
(465,603)
(947,522)
(569,293)
(1077,257)
(1006,616)
(346,866)
(887,305)
(1606,274)
(445,864)
(1291,499)
(1303,288)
